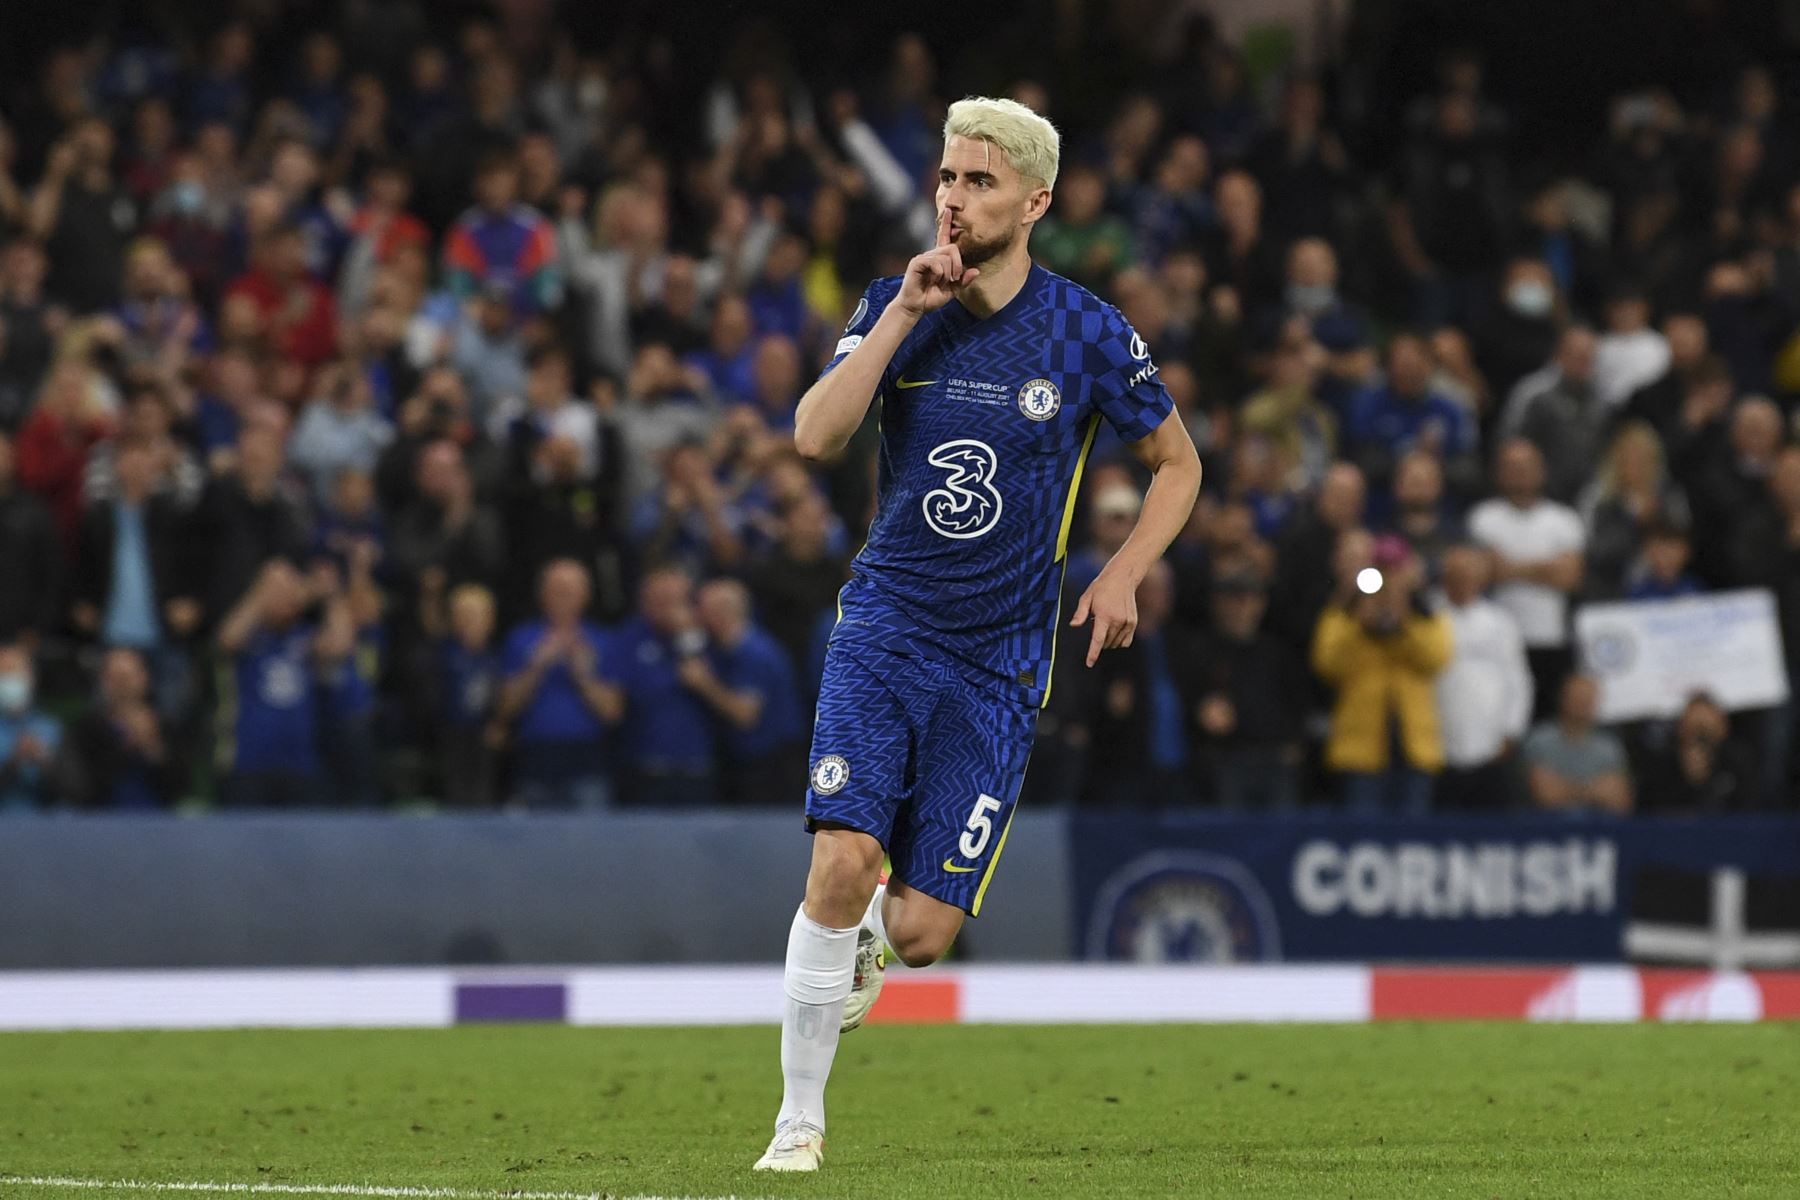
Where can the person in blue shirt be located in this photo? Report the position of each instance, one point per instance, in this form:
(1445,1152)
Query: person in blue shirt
(30,740)
(1402,413)
(281,661)
(560,697)
(667,741)
(1663,573)
(348,709)
(469,676)
(993,377)
(746,678)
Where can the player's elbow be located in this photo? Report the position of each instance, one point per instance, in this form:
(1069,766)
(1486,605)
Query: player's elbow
(813,446)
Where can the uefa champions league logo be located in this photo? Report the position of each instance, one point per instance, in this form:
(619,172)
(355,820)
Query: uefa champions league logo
(1039,400)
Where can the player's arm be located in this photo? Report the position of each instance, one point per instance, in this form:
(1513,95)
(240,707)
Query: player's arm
(833,408)
(1174,486)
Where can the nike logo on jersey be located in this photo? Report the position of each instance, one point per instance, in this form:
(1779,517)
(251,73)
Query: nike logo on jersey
(908,384)
(950,865)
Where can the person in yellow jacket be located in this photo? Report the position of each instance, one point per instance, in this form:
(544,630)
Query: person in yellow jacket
(1380,648)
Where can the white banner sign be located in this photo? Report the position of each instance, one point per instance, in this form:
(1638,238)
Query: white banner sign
(1651,655)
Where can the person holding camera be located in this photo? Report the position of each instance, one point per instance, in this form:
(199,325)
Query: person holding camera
(1381,649)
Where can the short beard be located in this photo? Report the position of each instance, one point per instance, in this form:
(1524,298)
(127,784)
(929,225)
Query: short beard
(975,253)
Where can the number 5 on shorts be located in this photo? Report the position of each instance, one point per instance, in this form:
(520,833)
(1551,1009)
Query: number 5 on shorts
(981,827)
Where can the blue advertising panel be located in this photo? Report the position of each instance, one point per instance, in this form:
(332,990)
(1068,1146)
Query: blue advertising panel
(1191,887)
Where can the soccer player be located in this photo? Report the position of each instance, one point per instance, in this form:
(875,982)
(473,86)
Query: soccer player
(993,376)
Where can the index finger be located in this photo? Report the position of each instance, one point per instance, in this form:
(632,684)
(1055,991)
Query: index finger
(1098,641)
(943,229)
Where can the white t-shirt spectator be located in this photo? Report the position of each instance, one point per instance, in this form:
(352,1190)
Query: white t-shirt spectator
(1625,362)
(1484,695)
(1530,535)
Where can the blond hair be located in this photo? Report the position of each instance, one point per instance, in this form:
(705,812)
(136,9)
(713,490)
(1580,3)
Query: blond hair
(1029,142)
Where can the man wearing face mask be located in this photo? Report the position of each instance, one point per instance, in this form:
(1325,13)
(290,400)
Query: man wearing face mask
(1311,290)
(29,739)
(1519,334)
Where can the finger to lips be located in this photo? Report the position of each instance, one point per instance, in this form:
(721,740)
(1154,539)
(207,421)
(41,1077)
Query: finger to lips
(943,229)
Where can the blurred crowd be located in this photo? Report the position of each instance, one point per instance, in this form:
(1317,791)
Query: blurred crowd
(395,410)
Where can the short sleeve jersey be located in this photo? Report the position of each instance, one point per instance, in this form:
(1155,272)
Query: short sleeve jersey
(986,424)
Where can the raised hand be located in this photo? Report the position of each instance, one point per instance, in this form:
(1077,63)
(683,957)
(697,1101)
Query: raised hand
(934,278)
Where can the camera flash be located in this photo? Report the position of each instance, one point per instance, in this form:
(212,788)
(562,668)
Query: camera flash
(1368,581)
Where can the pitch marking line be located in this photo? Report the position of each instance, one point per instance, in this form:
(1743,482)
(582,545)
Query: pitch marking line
(66,1183)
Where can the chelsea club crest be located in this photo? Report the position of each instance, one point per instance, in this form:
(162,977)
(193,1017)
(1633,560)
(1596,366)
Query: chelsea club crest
(830,774)
(1039,400)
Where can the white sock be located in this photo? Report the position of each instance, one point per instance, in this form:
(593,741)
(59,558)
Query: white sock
(821,966)
(873,920)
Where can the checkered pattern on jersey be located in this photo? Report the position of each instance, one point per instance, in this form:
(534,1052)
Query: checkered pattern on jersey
(973,487)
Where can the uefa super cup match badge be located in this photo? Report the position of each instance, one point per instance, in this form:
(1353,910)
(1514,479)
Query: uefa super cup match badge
(1039,400)
(830,774)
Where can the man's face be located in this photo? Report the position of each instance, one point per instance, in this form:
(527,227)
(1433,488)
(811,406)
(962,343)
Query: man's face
(667,602)
(1465,573)
(497,187)
(1418,482)
(1520,472)
(1580,700)
(1409,366)
(123,679)
(991,205)
(564,593)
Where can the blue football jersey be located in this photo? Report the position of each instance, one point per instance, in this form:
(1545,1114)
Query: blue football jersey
(985,427)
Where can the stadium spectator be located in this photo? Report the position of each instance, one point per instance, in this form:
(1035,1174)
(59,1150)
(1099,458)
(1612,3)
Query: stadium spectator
(1114,509)
(149,418)
(340,430)
(1381,651)
(31,587)
(137,579)
(501,241)
(1449,218)
(294,310)
(84,217)
(1559,410)
(280,661)
(72,415)
(1519,334)
(1082,240)
(668,747)
(468,688)
(1484,694)
(118,755)
(1660,401)
(1631,354)
(248,517)
(795,581)
(1574,766)
(30,739)
(1631,495)
(29,326)
(1402,413)
(747,679)
(1538,546)
(1241,684)
(1420,512)
(555,704)
(1301,589)
(1136,710)
(1703,770)
(1664,574)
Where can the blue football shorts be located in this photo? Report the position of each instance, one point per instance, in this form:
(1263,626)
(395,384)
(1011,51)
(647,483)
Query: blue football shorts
(926,761)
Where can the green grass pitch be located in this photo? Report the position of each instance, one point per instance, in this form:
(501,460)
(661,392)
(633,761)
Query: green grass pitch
(1381,1111)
